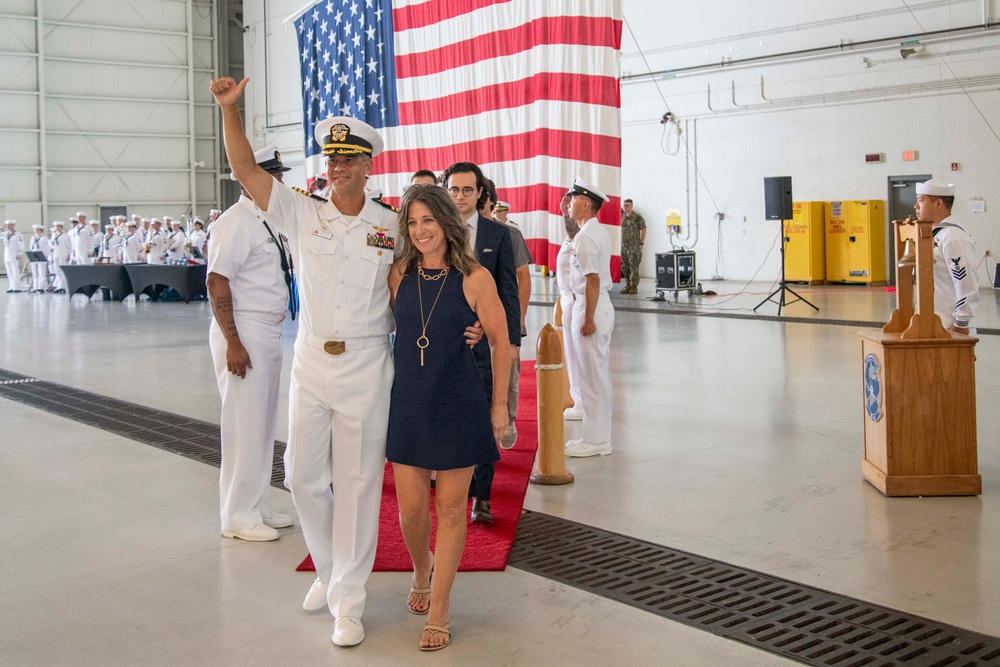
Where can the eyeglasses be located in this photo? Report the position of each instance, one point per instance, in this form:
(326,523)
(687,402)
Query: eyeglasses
(465,192)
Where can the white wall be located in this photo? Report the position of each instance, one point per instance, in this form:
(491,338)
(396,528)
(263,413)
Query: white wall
(820,117)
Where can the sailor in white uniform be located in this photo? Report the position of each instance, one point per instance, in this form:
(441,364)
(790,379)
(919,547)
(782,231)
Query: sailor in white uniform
(13,250)
(176,238)
(342,372)
(131,244)
(39,270)
(956,284)
(197,241)
(111,246)
(249,296)
(154,243)
(567,302)
(62,249)
(83,243)
(593,320)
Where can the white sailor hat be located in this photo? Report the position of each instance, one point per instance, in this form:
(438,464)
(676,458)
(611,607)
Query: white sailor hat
(343,135)
(175,222)
(122,217)
(78,214)
(156,220)
(37,226)
(268,159)
(10,222)
(135,216)
(198,221)
(167,217)
(501,206)
(144,220)
(131,223)
(215,210)
(936,188)
(582,187)
(58,222)
(95,222)
(107,227)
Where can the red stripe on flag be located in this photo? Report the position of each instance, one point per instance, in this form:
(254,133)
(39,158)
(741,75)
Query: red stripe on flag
(579,30)
(579,146)
(429,13)
(557,86)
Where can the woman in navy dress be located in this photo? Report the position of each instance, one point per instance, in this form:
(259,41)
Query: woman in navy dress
(439,416)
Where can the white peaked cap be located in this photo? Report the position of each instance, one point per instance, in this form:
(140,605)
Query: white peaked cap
(936,188)
(582,187)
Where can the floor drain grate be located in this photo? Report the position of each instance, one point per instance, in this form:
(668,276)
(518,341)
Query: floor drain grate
(173,433)
(806,624)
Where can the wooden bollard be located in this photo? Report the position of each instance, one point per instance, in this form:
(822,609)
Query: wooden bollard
(551,445)
(557,323)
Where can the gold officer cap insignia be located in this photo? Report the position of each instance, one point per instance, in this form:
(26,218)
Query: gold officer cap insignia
(339,132)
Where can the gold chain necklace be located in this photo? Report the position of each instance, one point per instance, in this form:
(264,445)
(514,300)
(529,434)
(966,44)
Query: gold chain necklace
(423,341)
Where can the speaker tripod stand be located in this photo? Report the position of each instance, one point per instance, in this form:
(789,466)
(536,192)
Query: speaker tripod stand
(783,287)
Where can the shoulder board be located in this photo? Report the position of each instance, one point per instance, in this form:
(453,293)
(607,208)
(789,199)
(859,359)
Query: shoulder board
(386,205)
(308,194)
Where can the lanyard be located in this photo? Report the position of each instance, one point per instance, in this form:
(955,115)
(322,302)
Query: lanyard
(287,269)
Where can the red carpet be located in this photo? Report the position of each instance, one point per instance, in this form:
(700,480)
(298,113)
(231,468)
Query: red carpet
(487,546)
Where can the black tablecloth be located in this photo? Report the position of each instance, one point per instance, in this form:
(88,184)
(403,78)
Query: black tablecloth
(188,281)
(87,278)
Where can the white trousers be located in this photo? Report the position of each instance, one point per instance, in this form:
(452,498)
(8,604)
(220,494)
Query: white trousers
(338,418)
(13,273)
(249,414)
(568,303)
(39,275)
(591,356)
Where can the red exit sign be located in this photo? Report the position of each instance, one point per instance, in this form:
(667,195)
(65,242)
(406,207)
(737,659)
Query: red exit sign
(910,156)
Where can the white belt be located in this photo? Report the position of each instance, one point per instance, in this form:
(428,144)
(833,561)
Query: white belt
(270,318)
(341,346)
(565,292)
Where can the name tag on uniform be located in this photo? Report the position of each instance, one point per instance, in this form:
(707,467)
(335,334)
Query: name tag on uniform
(323,233)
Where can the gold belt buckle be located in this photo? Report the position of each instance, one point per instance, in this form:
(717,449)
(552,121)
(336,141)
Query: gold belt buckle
(334,347)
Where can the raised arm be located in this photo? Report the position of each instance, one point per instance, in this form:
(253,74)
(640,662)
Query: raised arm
(254,180)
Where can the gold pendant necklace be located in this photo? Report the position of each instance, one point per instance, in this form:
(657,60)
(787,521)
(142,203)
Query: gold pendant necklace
(423,342)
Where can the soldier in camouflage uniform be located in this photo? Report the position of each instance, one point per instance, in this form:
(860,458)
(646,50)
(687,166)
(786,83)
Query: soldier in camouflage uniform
(633,238)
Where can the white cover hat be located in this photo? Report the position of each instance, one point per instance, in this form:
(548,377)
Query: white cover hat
(936,188)
(582,187)
(501,206)
(10,222)
(78,214)
(343,135)
(37,226)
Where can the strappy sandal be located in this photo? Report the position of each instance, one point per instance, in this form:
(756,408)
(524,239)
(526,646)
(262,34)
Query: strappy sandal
(415,609)
(435,630)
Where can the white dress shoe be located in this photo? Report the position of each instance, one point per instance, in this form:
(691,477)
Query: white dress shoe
(572,414)
(348,631)
(316,597)
(509,438)
(255,533)
(278,520)
(574,443)
(585,449)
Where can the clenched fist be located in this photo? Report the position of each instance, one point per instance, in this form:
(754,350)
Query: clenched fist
(226,91)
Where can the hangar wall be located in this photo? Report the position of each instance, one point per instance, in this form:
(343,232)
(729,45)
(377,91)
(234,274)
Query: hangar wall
(107,103)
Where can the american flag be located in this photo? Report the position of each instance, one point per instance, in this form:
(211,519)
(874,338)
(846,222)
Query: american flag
(527,89)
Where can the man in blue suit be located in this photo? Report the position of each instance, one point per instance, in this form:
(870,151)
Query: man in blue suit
(467,186)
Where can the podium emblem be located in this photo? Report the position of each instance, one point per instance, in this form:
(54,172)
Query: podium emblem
(873,388)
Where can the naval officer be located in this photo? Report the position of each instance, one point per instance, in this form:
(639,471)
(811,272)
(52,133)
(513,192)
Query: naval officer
(13,249)
(246,285)
(593,320)
(39,270)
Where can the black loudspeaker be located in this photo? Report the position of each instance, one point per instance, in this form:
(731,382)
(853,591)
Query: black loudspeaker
(778,198)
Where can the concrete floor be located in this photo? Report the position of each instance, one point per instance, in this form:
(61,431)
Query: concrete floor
(735,439)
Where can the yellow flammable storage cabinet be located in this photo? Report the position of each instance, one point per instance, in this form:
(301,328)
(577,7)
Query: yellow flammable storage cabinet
(805,243)
(855,242)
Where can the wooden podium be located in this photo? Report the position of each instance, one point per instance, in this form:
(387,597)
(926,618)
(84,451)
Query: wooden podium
(919,387)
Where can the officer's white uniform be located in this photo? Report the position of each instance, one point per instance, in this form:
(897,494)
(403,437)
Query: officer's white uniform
(111,246)
(956,285)
(591,253)
(96,239)
(132,247)
(568,301)
(62,249)
(13,248)
(156,241)
(342,264)
(39,270)
(175,244)
(83,244)
(245,253)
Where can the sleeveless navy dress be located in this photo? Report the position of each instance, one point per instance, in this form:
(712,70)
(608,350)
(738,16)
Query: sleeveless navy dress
(439,415)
